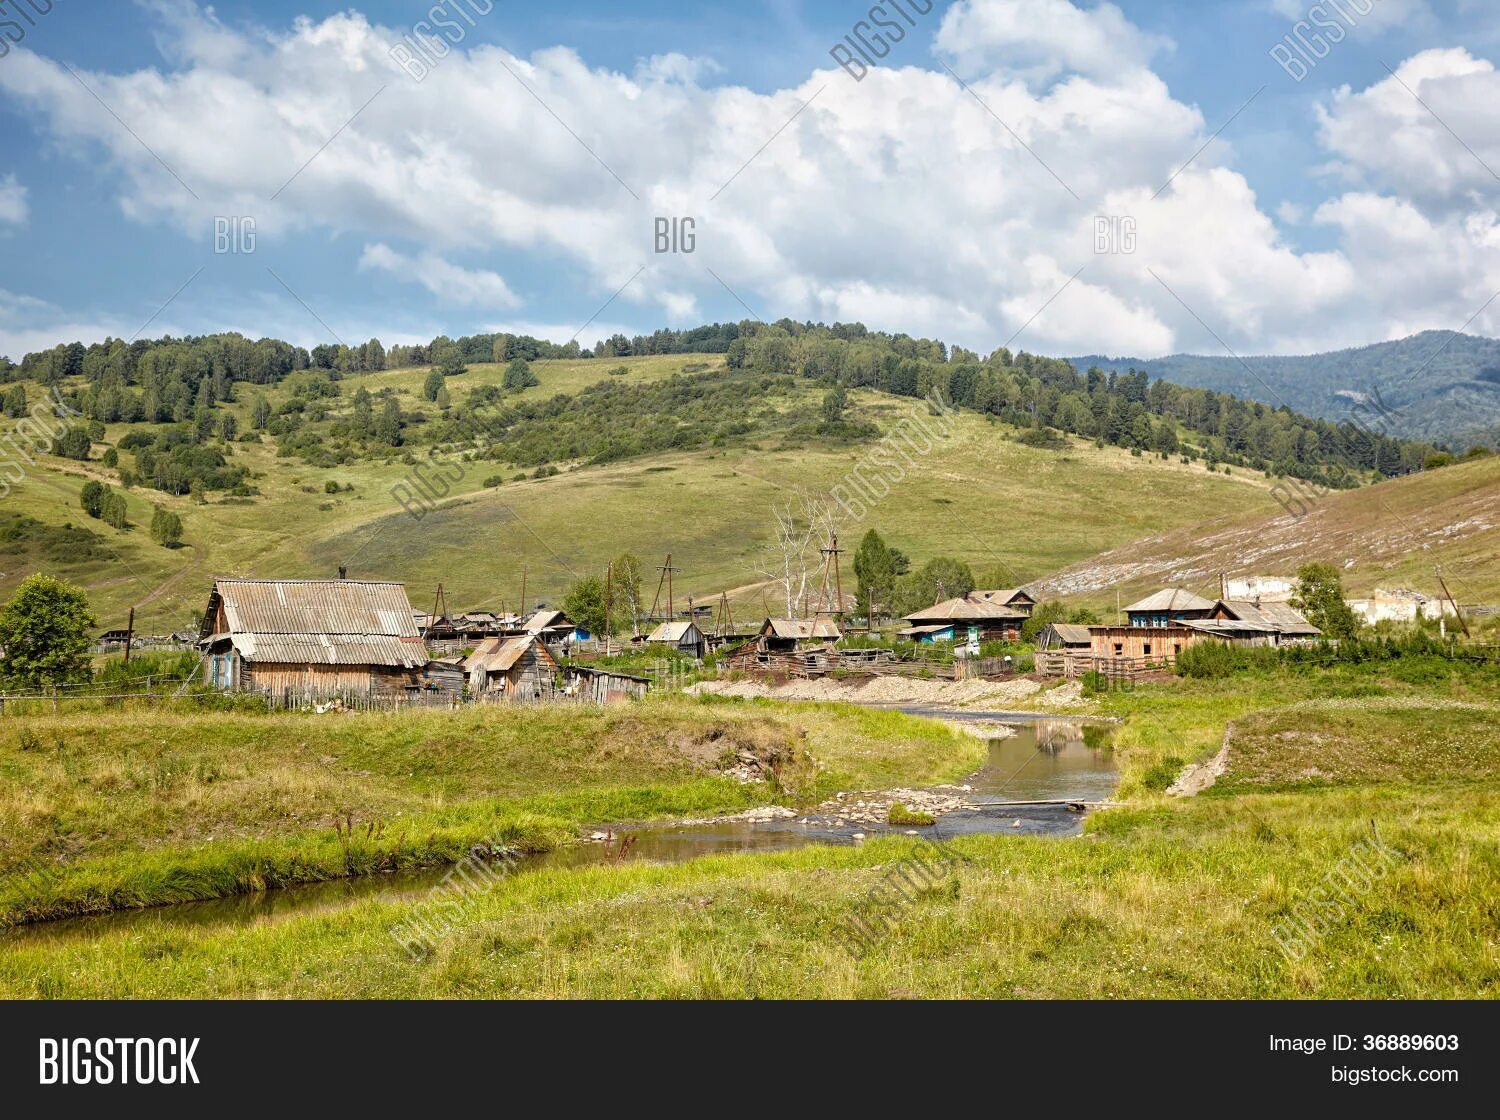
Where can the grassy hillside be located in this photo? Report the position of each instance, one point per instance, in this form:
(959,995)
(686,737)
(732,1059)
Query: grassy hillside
(1390,535)
(979,495)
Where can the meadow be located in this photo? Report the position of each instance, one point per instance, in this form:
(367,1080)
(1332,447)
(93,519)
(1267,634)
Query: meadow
(1162,897)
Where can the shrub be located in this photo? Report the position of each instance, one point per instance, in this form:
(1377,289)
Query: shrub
(166,528)
(1163,774)
(1207,661)
(900,814)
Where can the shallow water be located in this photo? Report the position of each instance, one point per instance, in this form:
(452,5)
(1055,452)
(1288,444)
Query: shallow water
(1047,760)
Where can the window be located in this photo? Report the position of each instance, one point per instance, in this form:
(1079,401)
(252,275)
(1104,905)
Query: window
(1176,648)
(1119,648)
(1148,649)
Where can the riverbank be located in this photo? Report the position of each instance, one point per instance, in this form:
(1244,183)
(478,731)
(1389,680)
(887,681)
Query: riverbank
(1215,896)
(130,810)
(876,691)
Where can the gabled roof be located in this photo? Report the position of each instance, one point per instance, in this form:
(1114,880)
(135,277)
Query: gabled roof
(802,629)
(1071,632)
(1281,617)
(497,655)
(317,622)
(1227,626)
(1171,599)
(966,608)
(547,620)
(1006,595)
(673,632)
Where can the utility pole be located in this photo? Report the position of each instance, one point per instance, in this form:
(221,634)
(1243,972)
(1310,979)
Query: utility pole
(129,634)
(664,581)
(831,556)
(609,590)
(1456,612)
(523,592)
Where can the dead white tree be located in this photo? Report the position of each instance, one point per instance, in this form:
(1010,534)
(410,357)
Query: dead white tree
(800,526)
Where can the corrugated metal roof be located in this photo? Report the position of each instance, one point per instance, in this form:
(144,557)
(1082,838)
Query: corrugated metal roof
(1273,616)
(965,608)
(1071,632)
(671,632)
(803,628)
(318,622)
(546,620)
(1172,599)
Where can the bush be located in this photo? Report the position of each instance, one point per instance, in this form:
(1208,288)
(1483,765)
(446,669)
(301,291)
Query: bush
(166,528)
(330,487)
(1207,661)
(1164,773)
(493,481)
(900,814)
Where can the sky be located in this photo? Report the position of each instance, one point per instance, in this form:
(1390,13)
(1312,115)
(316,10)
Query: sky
(1134,178)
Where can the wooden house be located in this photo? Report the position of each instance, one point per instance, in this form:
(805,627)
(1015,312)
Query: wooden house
(1141,643)
(791,635)
(684,637)
(1276,617)
(514,668)
(553,627)
(1167,607)
(310,638)
(985,615)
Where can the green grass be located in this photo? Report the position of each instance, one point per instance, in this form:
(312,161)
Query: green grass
(138,808)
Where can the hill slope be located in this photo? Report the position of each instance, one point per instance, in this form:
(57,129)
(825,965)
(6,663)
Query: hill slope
(1438,385)
(979,495)
(1389,535)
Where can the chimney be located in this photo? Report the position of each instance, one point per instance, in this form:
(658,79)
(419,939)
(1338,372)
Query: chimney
(343,572)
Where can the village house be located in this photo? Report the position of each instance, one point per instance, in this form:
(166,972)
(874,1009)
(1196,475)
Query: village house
(554,627)
(684,637)
(983,615)
(792,635)
(310,638)
(520,667)
(444,675)
(1168,606)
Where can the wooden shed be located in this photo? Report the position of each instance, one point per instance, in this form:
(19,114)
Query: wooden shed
(310,639)
(684,637)
(787,635)
(515,668)
(605,687)
(1059,637)
(445,675)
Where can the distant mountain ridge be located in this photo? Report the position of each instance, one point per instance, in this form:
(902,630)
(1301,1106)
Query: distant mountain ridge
(1436,385)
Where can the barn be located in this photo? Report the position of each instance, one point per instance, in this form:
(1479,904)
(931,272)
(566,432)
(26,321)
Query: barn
(310,638)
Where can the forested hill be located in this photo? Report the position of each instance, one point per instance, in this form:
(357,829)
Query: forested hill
(186,402)
(1434,386)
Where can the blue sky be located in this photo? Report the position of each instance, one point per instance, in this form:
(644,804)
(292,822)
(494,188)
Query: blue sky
(1335,210)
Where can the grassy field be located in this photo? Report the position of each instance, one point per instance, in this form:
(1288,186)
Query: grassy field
(137,808)
(978,495)
(1161,898)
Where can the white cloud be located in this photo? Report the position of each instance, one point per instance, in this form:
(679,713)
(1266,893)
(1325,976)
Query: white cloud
(13,208)
(461,286)
(899,200)
(1444,154)
(1045,37)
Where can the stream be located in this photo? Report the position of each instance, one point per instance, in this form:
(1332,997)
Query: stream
(1046,760)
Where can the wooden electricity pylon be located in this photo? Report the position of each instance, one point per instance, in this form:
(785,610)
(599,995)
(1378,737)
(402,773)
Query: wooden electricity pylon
(440,600)
(665,581)
(724,619)
(832,574)
(609,602)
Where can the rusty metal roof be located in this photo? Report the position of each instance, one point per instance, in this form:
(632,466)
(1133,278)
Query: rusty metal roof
(802,628)
(318,622)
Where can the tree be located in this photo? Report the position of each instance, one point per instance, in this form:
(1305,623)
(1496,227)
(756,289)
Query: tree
(363,419)
(799,530)
(518,374)
(1319,594)
(73,444)
(433,385)
(44,630)
(876,567)
(166,528)
(626,597)
(91,498)
(388,428)
(262,413)
(229,427)
(936,581)
(834,403)
(113,510)
(111,458)
(452,363)
(584,604)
